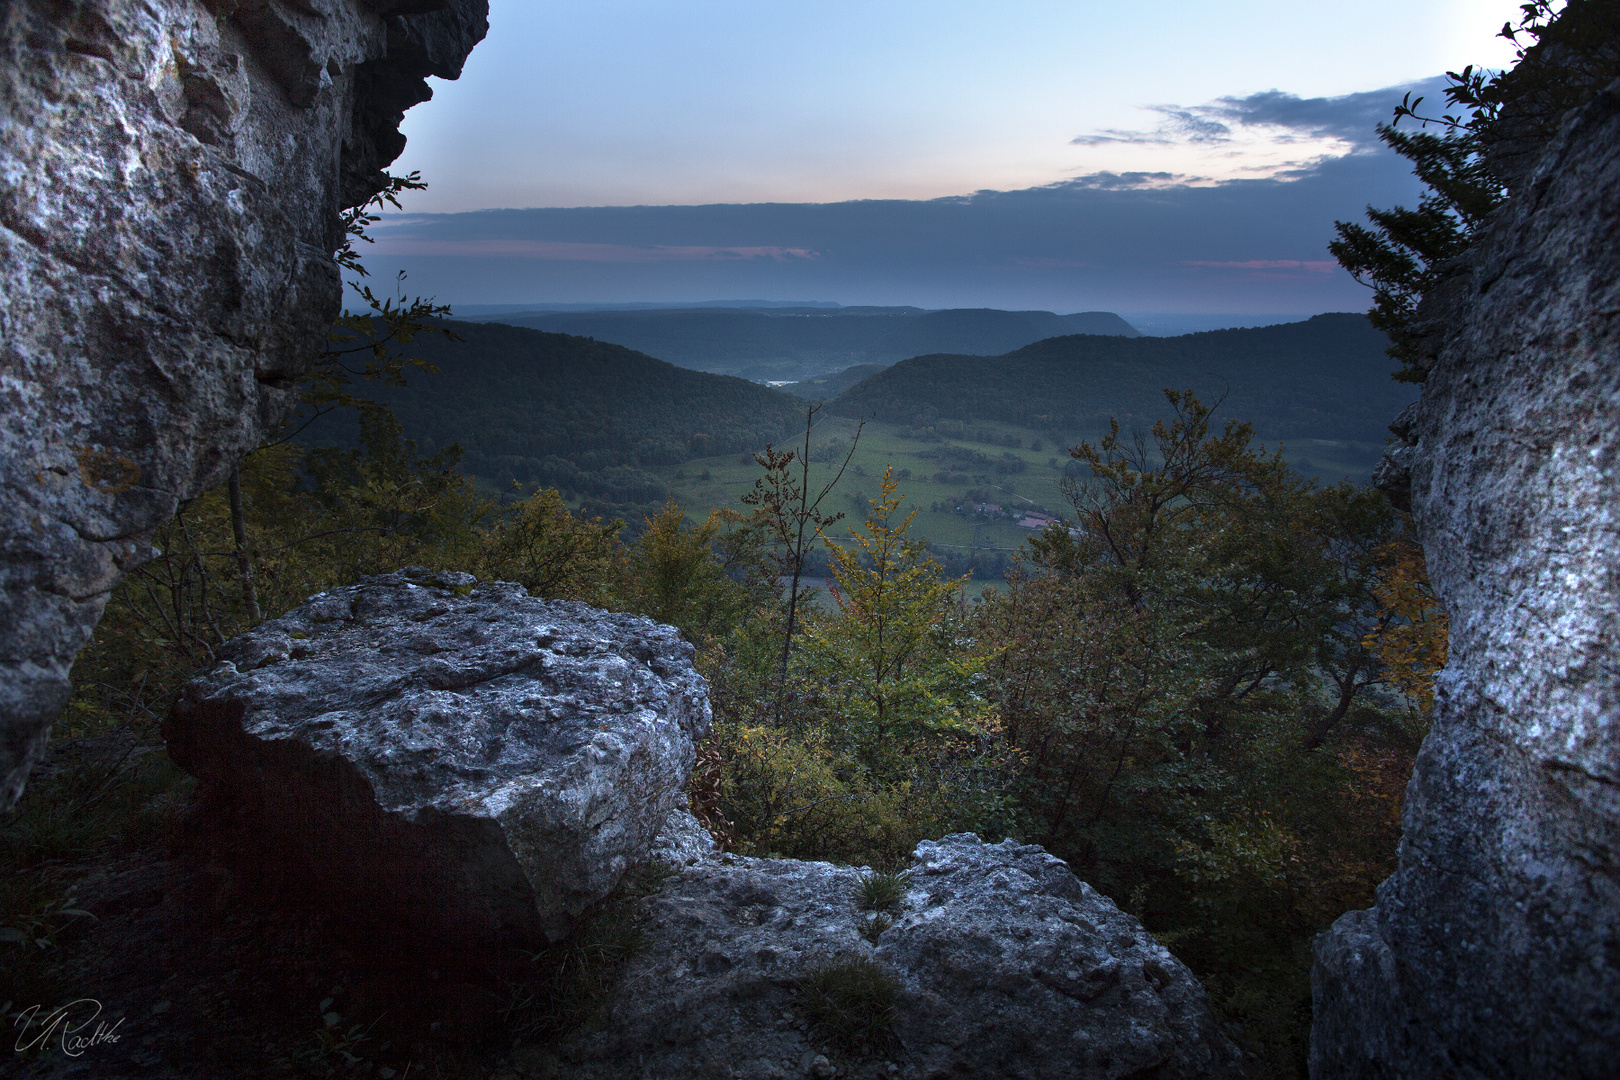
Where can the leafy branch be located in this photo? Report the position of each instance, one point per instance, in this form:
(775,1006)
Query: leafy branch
(1561,61)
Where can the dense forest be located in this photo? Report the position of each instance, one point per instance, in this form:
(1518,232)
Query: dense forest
(784,344)
(1326,378)
(567,412)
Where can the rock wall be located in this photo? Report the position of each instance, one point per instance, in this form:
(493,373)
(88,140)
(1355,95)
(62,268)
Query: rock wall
(1494,950)
(171,175)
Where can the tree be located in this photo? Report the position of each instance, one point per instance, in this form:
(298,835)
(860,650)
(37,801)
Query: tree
(1410,637)
(1498,116)
(787,512)
(673,575)
(1186,674)
(893,661)
(393,322)
(552,552)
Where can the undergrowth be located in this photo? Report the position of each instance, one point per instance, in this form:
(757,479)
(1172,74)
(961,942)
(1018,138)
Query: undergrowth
(566,986)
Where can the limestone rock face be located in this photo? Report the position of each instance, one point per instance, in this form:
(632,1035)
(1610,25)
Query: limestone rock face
(457,764)
(171,175)
(1006,965)
(1494,950)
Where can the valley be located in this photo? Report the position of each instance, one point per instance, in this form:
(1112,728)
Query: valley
(977,443)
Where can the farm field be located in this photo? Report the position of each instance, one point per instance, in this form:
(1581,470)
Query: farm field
(1020,469)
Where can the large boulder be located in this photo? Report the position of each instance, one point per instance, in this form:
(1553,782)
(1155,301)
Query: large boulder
(1003,964)
(171,176)
(1494,949)
(454,764)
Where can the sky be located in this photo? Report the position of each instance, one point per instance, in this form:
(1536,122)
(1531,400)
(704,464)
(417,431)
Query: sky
(1166,155)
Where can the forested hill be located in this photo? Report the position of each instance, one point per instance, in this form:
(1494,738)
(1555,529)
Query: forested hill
(797,343)
(578,414)
(1326,378)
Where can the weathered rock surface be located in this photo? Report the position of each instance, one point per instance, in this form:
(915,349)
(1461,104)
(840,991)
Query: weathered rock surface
(171,174)
(460,765)
(1494,950)
(1006,964)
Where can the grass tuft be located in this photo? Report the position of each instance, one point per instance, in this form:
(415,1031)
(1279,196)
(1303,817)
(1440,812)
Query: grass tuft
(850,1004)
(881,890)
(873,925)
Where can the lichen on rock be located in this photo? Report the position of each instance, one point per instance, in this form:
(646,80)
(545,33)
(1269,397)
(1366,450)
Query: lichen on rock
(1003,964)
(1494,949)
(447,762)
(171,177)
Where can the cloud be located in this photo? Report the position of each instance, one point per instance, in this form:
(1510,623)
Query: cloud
(565,251)
(1128,181)
(1179,126)
(1280,116)
(1207,235)
(1321,266)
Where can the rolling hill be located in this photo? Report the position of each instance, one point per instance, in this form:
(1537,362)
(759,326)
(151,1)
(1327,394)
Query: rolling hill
(789,344)
(620,431)
(1325,378)
(582,415)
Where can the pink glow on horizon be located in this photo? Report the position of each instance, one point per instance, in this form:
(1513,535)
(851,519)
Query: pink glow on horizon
(565,251)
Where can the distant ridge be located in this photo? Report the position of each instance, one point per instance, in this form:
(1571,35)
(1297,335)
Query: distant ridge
(793,343)
(482,311)
(586,416)
(1326,377)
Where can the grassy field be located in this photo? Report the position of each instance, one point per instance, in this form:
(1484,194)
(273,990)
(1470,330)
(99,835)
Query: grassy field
(934,485)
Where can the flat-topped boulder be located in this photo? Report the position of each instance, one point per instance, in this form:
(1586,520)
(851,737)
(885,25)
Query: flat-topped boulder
(999,962)
(453,763)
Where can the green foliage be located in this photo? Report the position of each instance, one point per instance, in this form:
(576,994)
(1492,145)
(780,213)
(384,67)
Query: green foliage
(373,338)
(672,576)
(552,552)
(891,667)
(850,1003)
(879,736)
(787,514)
(1202,724)
(1466,164)
(881,890)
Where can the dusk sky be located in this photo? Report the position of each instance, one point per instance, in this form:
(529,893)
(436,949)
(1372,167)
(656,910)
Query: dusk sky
(1168,156)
